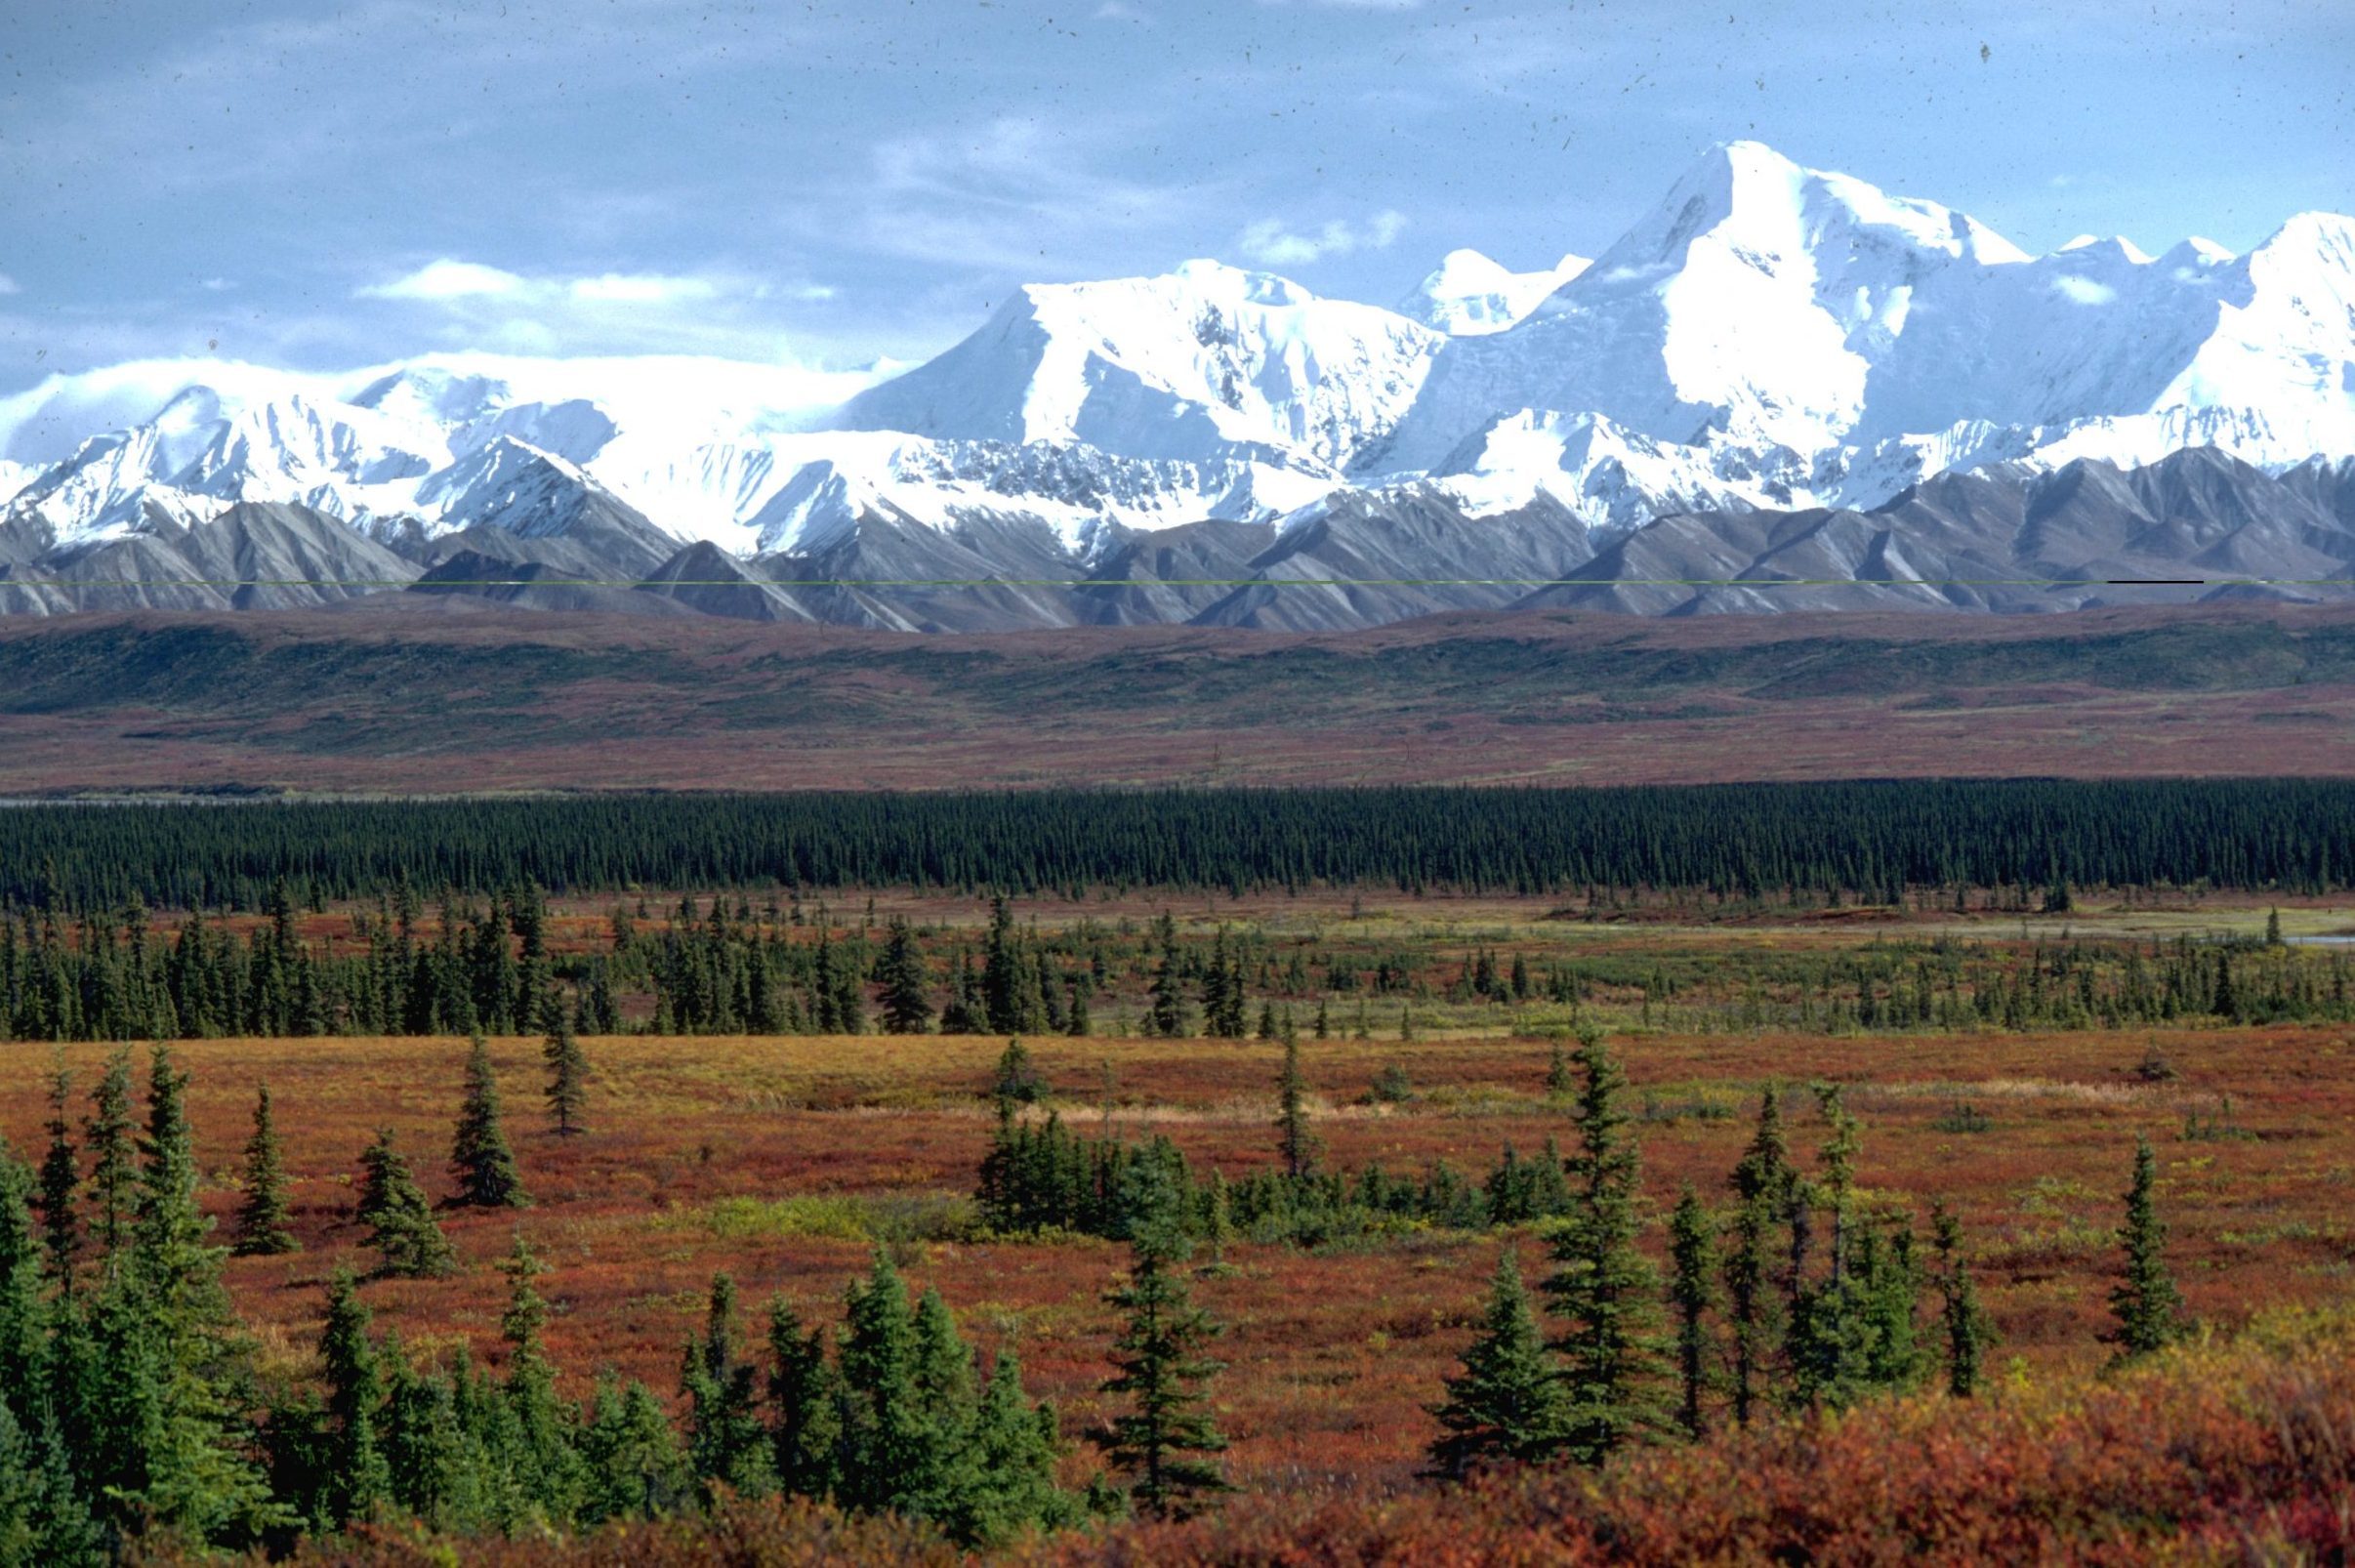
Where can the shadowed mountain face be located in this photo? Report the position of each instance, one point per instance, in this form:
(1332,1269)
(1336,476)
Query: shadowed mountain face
(2010,539)
(2196,525)
(256,556)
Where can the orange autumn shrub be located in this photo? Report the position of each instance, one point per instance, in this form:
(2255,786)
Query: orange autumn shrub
(2219,1453)
(2215,1453)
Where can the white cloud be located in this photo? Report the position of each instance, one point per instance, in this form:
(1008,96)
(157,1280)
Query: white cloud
(624,288)
(1270,243)
(2085,291)
(7,285)
(446,279)
(1015,193)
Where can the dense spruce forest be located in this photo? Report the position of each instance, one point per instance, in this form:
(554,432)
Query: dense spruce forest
(1741,840)
(786,968)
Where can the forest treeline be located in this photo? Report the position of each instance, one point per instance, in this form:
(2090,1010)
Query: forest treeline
(1745,840)
(728,968)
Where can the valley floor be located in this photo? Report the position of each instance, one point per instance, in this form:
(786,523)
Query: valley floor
(787,1160)
(409,699)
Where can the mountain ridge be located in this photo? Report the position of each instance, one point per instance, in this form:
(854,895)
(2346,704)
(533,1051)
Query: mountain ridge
(1768,340)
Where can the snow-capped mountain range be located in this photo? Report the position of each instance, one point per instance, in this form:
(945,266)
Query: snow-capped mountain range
(1769,338)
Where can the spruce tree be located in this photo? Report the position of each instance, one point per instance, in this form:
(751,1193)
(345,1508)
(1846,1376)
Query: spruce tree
(947,1483)
(1604,1287)
(1967,1331)
(60,1179)
(115,1168)
(44,1515)
(1166,1437)
(568,1079)
(1507,1401)
(804,1417)
(1295,1141)
(264,1214)
(358,1480)
(1013,1456)
(1017,1078)
(479,1158)
(435,1474)
(546,1463)
(2148,1308)
(1558,1069)
(1008,1004)
(964,1014)
(25,1316)
(726,1446)
(884,1438)
(173,1423)
(1762,1180)
(1692,1292)
(631,1455)
(399,1217)
(1166,1015)
(907,1003)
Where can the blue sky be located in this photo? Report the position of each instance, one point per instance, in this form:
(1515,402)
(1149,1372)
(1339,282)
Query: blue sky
(338,182)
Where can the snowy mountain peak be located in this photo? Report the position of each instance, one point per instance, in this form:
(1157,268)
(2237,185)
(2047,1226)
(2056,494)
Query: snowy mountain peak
(1470,295)
(433,392)
(1748,194)
(2116,245)
(1219,280)
(1204,362)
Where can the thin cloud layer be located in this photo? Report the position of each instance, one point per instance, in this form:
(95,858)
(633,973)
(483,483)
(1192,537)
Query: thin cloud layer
(1271,244)
(388,176)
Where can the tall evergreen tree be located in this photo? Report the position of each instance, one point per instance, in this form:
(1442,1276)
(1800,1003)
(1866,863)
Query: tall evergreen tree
(568,1079)
(1692,1292)
(479,1157)
(964,1014)
(1013,1454)
(1761,1182)
(1967,1329)
(173,1440)
(545,1458)
(264,1214)
(44,1514)
(1017,1078)
(1604,1287)
(2145,1302)
(115,1166)
(1166,1438)
(948,1481)
(884,1437)
(805,1405)
(1009,991)
(1167,1014)
(1507,1402)
(1296,1142)
(400,1221)
(907,1002)
(359,1481)
(435,1471)
(726,1446)
(60,1179)
(632,1456)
